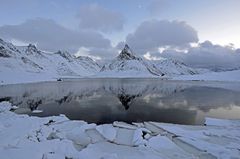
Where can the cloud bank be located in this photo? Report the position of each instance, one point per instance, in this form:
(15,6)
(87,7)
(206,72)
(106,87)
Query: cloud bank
(50,36)
(206,55)
(150,35)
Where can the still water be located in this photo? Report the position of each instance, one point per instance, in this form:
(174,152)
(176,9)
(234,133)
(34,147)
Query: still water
(130,100)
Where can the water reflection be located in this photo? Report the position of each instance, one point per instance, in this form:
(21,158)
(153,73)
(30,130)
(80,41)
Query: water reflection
(130,100)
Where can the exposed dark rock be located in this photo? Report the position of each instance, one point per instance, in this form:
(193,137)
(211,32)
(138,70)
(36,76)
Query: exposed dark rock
(27,61)
(3,52)
(5,99)
(126,54)
(32,49)
(65,55)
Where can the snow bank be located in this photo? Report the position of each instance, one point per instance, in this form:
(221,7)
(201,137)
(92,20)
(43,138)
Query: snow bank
(15,77)
(22,136)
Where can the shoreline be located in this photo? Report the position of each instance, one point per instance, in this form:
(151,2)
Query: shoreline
(80,78)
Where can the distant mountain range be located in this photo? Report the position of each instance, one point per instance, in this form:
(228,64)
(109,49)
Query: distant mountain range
(29,59)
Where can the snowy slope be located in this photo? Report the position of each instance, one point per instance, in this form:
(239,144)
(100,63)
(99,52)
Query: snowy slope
(126,64)
(62,62)
(27,63)
(171,67)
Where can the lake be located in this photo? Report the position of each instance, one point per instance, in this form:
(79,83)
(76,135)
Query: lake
(130,100)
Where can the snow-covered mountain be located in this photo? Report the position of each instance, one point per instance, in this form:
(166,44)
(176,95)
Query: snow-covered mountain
(127,64)
(28,64)
(30,61)
(173,67)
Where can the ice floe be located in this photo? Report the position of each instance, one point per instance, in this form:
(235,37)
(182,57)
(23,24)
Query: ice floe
(56,137)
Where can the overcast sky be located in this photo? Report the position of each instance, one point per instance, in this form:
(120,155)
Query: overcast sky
(98,27)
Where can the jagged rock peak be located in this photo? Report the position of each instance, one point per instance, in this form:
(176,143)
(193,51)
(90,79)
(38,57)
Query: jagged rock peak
(32,47)
(84,58)
(127,48)
(126,54)
(32,50)
(65,55)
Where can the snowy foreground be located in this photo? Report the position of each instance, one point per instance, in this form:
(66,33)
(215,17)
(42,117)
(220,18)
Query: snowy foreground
(58,137)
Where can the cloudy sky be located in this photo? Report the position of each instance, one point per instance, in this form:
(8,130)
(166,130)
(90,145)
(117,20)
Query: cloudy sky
(187,30)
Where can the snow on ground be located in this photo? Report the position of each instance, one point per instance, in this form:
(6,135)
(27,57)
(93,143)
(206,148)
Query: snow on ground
(24,64)
(23,77)
(57,137)
(16,77)
(213,76)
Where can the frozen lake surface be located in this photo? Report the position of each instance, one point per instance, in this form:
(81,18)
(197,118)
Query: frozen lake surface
(103,101)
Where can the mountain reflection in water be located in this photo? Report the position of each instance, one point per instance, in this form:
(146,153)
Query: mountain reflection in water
(130,100)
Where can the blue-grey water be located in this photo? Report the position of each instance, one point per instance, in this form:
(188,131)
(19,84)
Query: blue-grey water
(130,100)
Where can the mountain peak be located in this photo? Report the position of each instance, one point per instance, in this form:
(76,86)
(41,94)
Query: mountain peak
(126,54)
(32,47)
(32,50)
(126,47)
(65,55)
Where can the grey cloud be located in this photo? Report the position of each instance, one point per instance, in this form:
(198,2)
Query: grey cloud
(207,55)
(98,18)
(104,53)
(153,34)
(50,36)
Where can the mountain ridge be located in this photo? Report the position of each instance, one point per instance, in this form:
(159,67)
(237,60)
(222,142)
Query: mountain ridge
(127,64)
(30,61)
